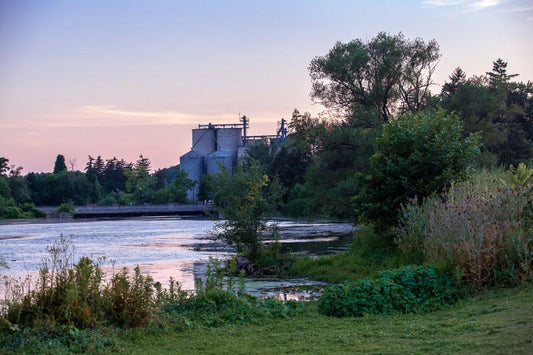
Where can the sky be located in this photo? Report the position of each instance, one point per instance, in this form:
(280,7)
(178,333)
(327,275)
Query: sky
(124,78)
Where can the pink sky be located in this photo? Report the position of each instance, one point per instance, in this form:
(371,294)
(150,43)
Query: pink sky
(124,77)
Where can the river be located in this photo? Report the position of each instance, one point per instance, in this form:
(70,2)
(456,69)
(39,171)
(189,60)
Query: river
(162,247)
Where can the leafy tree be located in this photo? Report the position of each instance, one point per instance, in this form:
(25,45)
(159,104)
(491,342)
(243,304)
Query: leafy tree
(112,177)
(5,191)
(99,166)
(140,184)
(246,200)
(91,175)
(179,186)
(60,165)
(417,155)
(498,109)
(345,151)
(206,188)
(19,189)
(386,74)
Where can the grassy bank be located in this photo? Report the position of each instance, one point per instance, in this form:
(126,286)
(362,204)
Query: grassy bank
(493,322)
(369,254)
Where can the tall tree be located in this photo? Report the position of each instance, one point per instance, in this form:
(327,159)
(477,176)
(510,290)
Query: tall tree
(387,74)
(457,78)
(500,110)
(140,183)
(60,165)
(4,166)
(498,75)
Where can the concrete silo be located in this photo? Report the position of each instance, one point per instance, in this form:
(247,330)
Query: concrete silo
(219,159)
(229,139)
(193,163)
(204,140)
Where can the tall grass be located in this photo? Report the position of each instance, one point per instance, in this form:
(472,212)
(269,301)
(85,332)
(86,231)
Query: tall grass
(481,228)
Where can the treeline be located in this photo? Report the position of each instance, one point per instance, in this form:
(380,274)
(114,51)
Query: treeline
(367,85)
(103,182)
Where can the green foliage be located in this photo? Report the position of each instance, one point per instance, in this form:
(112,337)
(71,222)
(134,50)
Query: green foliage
(497,108)
(408,289)
(4,166)
(370,253)
(140,183)
(66,208)
(59,165)
(296,205)
(481,229)
(387,72)
(130,298)
(417,155)
(217,303)
(246,200)
(55,189)
(344,151)
(177,191)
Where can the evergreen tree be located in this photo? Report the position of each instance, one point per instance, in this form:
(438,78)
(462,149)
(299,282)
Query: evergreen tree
(60,165)
(498,75)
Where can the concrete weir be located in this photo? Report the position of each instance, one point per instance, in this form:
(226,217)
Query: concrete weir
(134,211)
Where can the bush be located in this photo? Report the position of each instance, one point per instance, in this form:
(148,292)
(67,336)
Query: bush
(216,302)
(417,155)
(481,229)
(408,289)
(66,208)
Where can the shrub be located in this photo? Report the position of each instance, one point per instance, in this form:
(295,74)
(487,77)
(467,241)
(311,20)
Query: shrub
(407,289)
(129,299)
(417,155)
(66,208)
(216,301)
(481,228)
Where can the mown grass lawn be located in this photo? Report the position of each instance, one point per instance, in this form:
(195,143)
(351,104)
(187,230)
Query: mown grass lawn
(494,322)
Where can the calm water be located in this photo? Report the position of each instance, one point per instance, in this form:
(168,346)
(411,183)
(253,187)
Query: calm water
(162,247)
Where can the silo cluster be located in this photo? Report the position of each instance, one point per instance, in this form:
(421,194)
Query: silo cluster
(218,146)
(213,147)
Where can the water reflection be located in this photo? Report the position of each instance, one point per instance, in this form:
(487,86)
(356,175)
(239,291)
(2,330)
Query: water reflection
(162,247)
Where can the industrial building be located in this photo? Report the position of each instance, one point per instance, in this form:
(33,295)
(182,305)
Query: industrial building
(221,145)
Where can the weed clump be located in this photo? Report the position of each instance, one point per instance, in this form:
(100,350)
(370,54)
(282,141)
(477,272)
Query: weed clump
(405,290)
(481,229)
(218,302)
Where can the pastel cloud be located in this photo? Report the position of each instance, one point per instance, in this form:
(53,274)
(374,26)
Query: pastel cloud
(486,3)
(115,116)
(472,5)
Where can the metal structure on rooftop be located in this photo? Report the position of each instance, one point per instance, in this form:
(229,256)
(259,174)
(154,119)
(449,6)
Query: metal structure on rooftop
(217,146)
